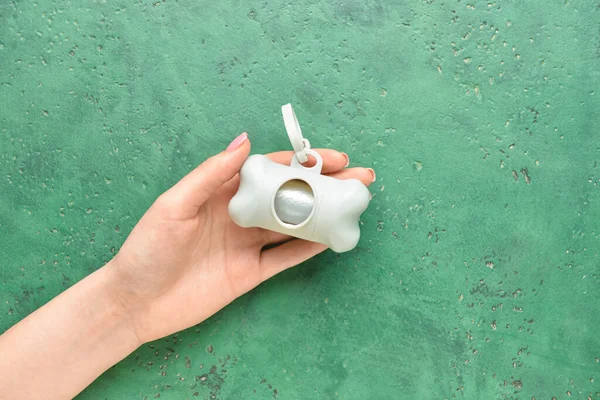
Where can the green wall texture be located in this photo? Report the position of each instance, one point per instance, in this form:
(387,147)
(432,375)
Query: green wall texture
(478,272)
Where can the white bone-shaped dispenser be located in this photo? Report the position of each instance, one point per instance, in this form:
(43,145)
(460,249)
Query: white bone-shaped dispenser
(298,201)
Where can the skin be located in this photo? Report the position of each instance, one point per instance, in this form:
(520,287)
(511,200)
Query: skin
(184,261)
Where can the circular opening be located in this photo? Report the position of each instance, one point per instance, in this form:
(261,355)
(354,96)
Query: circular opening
(294,203)
(312,161)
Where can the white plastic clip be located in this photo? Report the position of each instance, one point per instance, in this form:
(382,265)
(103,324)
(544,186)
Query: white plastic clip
(294,132)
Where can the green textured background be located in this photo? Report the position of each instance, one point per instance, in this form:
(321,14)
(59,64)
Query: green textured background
(478,272)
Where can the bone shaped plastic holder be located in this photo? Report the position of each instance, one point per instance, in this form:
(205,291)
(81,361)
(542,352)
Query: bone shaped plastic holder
(297,200)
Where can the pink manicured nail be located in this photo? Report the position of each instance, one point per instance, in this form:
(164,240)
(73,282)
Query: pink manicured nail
(372,171)
(237,142)
(347,159)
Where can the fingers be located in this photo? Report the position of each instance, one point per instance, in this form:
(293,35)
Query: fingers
(334,164)
(183,200)
(287,255)
(333,160)
(365,175)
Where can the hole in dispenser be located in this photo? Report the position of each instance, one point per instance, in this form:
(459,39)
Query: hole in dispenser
(294,203)
(312,161)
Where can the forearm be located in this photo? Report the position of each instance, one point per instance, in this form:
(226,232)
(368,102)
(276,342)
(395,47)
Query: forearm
(61,348)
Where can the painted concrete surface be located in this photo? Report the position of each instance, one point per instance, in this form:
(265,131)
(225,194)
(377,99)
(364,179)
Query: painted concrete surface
(478,272)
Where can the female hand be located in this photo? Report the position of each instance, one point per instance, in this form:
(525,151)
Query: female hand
(186,259)
(183,261)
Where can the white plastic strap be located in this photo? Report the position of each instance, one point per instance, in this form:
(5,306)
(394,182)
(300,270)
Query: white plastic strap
(318,162)
(294,132)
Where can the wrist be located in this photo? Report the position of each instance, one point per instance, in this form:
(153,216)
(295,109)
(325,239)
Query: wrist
(68,342)
(118,314)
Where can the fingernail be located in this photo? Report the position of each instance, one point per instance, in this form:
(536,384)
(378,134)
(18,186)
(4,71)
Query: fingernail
(347,159)
(237,142)
(372,171)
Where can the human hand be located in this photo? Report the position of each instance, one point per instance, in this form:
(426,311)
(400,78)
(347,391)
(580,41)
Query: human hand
(183,261)
(186,259)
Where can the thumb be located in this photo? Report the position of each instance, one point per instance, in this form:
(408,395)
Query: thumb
(195,188)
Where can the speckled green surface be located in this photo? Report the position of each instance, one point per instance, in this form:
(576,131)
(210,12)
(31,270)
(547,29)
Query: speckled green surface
(477,275)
